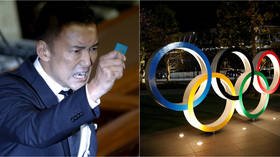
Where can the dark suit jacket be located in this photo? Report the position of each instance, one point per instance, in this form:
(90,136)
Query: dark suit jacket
(33,122)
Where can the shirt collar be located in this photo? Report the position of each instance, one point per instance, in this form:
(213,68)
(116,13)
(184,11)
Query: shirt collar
(54,86)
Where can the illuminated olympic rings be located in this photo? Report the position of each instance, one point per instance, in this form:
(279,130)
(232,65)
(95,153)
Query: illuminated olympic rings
(220,83)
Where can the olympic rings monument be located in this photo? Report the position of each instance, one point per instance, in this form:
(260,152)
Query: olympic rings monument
(198,88)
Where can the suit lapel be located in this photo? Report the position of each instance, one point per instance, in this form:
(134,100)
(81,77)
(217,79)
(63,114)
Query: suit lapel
(93,144)
(74,143)
(29,73)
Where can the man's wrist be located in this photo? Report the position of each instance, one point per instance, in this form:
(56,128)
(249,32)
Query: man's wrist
(93,99)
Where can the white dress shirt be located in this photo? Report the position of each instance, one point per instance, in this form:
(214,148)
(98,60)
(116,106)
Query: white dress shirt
(56,88)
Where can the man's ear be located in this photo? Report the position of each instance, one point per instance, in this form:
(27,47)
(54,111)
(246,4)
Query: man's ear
(43,51)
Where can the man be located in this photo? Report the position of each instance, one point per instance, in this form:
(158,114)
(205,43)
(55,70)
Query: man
(37,114)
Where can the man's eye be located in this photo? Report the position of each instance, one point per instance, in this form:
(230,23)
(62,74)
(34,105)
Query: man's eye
(76,51)
(93,49)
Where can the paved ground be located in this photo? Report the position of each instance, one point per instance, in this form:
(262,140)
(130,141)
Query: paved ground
(239,137)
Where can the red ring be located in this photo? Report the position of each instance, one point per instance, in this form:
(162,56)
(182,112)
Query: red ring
(269,91)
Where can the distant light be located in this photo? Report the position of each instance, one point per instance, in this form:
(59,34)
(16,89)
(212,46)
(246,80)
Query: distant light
(244,128)
(181,135)
(143,80)
(274,118)
(199,143)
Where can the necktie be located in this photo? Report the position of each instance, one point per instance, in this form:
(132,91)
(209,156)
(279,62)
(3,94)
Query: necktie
(66,93)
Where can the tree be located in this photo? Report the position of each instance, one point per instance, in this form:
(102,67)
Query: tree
(239,23)
(157,24)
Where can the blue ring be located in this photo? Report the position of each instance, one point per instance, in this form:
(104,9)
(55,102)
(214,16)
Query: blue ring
(151,78)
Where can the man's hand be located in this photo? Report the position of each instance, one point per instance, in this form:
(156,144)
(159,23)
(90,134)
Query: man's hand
(109,69)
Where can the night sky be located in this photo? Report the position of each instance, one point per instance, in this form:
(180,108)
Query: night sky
(193,16)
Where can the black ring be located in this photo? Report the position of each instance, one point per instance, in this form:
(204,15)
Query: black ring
(224,54)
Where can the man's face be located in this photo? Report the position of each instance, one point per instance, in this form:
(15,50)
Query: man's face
(72,55)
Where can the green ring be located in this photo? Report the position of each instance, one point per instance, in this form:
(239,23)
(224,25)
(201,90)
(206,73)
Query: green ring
(249,115)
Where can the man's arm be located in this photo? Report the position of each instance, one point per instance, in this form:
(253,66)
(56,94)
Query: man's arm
(22,122)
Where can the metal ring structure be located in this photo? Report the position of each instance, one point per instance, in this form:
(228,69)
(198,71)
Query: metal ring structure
(248,66)
(197,90)
(263,100)
(151,74)
(276,73)
(226,115)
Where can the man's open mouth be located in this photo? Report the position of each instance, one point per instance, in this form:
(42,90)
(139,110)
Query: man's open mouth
(80,75)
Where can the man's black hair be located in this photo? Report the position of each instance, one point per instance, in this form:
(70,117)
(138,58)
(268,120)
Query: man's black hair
(55,15)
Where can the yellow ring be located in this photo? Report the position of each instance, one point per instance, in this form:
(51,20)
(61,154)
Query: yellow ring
(228,111)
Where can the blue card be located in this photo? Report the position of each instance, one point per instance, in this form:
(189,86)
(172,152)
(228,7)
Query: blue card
(121,48)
